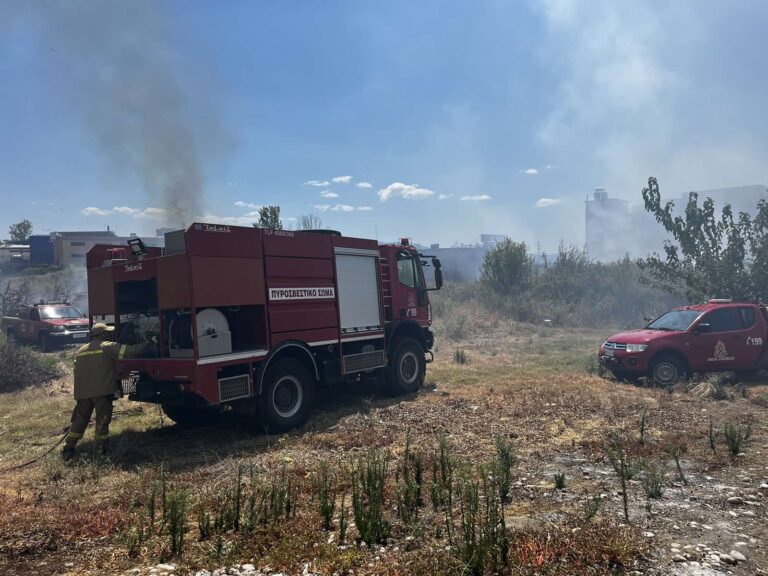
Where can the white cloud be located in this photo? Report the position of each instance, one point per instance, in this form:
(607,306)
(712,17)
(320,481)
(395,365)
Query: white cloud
(444,196)
(319,183)
(341,208)
(546,202)
(404,191)
(242,204)
(328,194)
(364,185)
(342,179)
(147,213)
(93,211)
(475,198)
(530,171)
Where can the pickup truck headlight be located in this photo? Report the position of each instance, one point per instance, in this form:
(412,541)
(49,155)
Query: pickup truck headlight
(636,347)
(59,328)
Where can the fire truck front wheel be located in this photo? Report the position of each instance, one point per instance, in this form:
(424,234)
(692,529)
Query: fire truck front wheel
(288,394)
(406,366)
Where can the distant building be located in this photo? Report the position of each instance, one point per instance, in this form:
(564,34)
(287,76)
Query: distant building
(606,222)
(70,248)
(40,249)
(463,263)
(616,227)
(14,253)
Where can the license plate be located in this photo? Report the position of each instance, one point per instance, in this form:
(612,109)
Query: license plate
(608,352)
(79,336)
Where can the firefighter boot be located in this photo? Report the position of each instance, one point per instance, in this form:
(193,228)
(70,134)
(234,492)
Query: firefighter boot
(68,453)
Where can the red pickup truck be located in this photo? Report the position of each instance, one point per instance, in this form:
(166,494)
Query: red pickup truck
(49,325)
(718,336)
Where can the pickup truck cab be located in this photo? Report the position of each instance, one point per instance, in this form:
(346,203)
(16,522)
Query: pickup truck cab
(49,325)
(718,336)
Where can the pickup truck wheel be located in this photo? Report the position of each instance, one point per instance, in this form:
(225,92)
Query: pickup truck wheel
(666,370)
(45,342)
(287,396)
(190,416)
(407,366)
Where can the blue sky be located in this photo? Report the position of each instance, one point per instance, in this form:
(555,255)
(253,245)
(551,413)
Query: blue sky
(450,119)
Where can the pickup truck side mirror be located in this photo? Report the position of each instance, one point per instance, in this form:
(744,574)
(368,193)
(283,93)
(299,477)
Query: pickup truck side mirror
(702,328)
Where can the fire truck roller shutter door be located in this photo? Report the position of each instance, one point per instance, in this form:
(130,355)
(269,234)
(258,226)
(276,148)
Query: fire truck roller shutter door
(359,307)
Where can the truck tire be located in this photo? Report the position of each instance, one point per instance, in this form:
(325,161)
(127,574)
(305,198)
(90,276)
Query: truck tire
(45,342)
(189,416)
(287,396)
(666,370)
(407,366)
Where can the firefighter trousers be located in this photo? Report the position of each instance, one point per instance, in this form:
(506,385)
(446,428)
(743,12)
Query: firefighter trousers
(81,416)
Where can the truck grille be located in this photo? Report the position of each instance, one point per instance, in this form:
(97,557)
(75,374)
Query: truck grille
(363,361)
(614,346)
(76,327)
(129,384)
(234,387)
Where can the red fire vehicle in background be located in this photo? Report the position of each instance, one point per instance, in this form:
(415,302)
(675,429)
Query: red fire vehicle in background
(48,324)
(718,336)
(254,319)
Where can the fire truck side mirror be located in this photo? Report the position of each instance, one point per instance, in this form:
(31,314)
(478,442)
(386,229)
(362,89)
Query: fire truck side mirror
(437,265)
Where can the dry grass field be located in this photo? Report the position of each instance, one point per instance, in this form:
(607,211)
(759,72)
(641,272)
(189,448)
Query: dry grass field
(508,410)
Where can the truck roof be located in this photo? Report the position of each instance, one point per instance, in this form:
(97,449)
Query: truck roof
(716,304)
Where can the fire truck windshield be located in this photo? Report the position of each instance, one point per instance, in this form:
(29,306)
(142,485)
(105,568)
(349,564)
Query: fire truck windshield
(675,321)
(59,312)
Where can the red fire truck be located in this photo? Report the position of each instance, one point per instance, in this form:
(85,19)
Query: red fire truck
(253,320)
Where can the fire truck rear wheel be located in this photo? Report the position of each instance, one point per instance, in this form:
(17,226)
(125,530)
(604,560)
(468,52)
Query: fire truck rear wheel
(288,394)
(666,370)
(407,366)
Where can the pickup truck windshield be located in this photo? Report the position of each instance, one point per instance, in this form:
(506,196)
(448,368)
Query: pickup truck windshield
(59,312)
(675,321)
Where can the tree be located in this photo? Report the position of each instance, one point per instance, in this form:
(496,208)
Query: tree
(709,254)
(269,217)
(20,232)
(507,268)
(309,222)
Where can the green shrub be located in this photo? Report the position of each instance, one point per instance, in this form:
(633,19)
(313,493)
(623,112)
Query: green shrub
(559,480)
(368,491)
(460,356)
(22,367)
(653,481)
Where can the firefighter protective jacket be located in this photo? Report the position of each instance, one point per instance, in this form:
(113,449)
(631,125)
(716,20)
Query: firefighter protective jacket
(95,367)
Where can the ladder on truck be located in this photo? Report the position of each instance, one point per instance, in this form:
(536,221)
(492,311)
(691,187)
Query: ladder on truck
(386,288)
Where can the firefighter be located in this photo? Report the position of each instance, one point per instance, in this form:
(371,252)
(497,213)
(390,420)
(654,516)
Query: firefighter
(96,386)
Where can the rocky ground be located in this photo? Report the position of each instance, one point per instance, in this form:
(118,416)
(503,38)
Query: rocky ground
(527,385)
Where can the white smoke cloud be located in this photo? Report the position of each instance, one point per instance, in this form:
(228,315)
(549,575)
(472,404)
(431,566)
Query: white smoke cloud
(364,185)
(398,189)
(318,183)
(342,179)
(475,198)
(328,194)
(530,171)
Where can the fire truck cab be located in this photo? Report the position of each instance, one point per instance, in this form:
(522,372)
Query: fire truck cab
(253,320)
